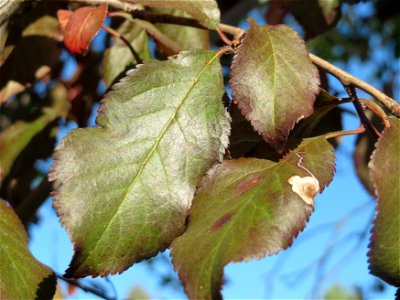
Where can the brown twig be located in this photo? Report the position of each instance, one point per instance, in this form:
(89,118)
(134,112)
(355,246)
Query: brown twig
(34,200)
(344,132)
(351,91)
(125,41)
(374,108)
(349,80)
(85,288)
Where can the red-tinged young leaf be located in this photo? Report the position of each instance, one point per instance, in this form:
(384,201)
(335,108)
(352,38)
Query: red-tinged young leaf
(63,16)
(205,11)
(245,209)
(21,275)
(273,80)
(128,185)
(82,26)
(384,254)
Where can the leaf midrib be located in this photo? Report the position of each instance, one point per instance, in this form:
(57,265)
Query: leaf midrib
(151,152)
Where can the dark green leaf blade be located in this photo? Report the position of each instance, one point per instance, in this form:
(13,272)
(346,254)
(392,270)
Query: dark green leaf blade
(21,275)
(127,187)
(273,81)
(245,209)
(205,11)
(384,255)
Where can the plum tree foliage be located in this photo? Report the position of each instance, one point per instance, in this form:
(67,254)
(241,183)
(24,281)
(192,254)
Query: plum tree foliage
(173,162)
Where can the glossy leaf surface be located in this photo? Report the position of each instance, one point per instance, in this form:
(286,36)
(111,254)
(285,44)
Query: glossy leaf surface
(273,81)
(384,255)
(81,26)
(21,275)
(245,209)
(127,186)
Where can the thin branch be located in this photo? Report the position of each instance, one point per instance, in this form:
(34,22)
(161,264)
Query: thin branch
(223,37)
(344,132)
(85,288)
(372,106)
(360,111)
(34,200)
(350,80)
(125,41)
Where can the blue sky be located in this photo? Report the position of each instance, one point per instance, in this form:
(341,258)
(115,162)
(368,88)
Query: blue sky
(342,212)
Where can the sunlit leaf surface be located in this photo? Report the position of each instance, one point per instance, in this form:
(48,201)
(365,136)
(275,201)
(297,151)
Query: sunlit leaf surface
(127,186)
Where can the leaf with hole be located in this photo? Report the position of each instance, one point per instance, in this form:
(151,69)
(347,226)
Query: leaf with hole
(128,184)
(245,209)
(273,80)
(384,254)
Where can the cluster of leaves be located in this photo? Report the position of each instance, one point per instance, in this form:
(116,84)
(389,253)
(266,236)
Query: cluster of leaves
(173,162)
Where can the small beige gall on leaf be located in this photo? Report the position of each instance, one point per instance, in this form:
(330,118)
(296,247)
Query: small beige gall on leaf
(306,187)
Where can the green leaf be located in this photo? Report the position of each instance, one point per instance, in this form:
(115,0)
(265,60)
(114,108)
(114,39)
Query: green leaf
(15,138)
(21,275)
(118,57)
(245,209)
(384,254)
(185,36)
(205,11)
(273,81)
(337,292)
(127,186)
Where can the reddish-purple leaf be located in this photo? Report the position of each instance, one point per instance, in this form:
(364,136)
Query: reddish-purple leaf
(81,26)
(273,80)
(248,208)
(384,255)
(63,16)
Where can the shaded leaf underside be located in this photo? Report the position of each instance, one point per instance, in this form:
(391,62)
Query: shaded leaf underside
(21,275)
(273,81)
(205,11)
(244,209)
(118,57)
(384,255)
(127,187)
